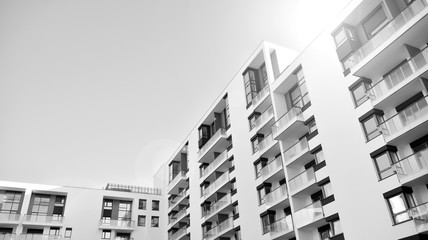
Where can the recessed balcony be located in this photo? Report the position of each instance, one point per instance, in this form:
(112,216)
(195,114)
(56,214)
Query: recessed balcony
(289,126)
(217,143)
(8,236)
(218,161)
(392,36)
(214,186)
(302,181)
(31,236)
(260,96)
(298,151)
(281,228)
(408,124)
(413,169)
(177,217)
(223,228)
(309,216)
(272,169)
(128,225)
(177,180)
(179,234)
(277,197)
(261,124)
(43,220)
(217,207)
(399,84)
(268,146)
(172,203)
(9,218)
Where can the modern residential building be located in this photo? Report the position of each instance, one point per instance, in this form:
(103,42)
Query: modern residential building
(40,212)
(328,143)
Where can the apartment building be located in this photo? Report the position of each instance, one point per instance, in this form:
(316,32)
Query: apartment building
(41,212)
(328,143)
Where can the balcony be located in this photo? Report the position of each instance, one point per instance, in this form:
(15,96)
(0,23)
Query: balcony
(272,168)
(217,206)
(262,120)
(420,217)
(398,79)
(393,30)
(408,124)
(117,224)
(412,168)
(9,218)
(277,196)
(219,230)
(177,217)
(213,187)
(178,199)
(8,236)
(179,234)
(260,96)
(217,143)
(219,160)
(177,180)
(268,146)
(281,228)
(42,220)
(30,236)
(297,151)
(290,126)
(302,181)
(309,215)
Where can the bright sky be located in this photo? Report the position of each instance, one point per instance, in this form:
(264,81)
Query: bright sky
(97,91)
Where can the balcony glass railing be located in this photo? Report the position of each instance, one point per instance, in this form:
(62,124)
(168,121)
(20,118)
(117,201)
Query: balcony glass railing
(285,119)
(43,219)
(218,182)
(221,132)
(177,216)
(177,198)
(268,114)
(9,217)
(405,118)
(282,225)
(215,164)
(397,76)
(296,150)
(219,229)
(265,143)
(419,212)
(302,179)
(276,195)
(412,164)
(309,214)
(30,236)
(272,167)
(260,95)
(8,236)
(389,30)
(117,223)
(179,233)
(224,201)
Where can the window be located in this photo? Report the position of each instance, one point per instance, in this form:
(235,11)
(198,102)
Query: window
(375,22)
(263,74)
(326,189)
(141,220)
(155,205)
(370,122)
(383,159)
(252,119)
(68,232)
(261,193)
(250,84)
(359,94)
(155,221)
(54,231)
(325,232)
(400,200)
(312,126)
(11,202)
(343,34)
(336,227)
(108,204)
(238,234)
(255,142)
(106,234)
(40,205)
(125,210)
(299,95)
(267,218)
(227,113)
(319,156)
(142,204)
(235,210)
